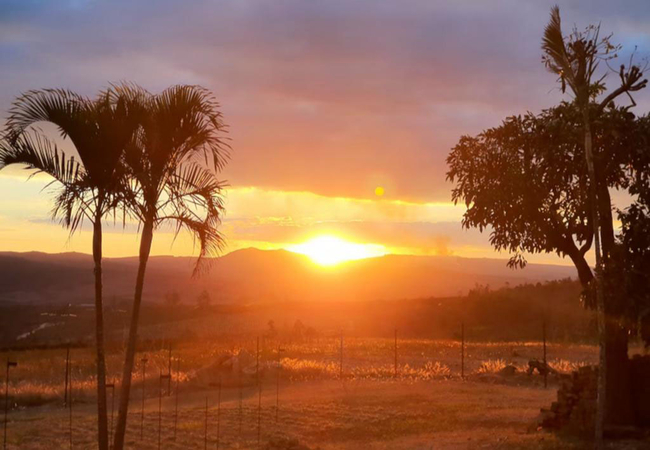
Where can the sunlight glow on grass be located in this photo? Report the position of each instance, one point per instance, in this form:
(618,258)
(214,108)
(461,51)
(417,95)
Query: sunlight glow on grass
(330,250)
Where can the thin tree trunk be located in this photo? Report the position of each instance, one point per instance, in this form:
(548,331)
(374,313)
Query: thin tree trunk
(102,415)
(601,399)
(145,249)
(619,404)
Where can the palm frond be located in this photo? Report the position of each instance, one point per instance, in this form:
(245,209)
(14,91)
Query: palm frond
(553,45)
(37,153)
(191,125)
(58,106)
(72,205)
(195,203)
(172,159)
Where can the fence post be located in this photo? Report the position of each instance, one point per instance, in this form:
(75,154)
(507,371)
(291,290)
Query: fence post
(178,372)
(462,350)
(159,407)
(169,371)
(341,358)
(395,352)
(257,360)
(144,374)
(239,386)
(259,412)
(70,400)
(205,437)
(277,386)
(9,365)
(218,413)
(110,433)
(162,377)
(544,346)
(65,384)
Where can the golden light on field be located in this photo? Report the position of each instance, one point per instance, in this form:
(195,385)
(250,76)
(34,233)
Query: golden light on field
(330,250)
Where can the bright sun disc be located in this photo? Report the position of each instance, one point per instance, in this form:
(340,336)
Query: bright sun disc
(330,250)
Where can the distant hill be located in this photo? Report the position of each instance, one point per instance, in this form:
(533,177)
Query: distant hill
(505,314)
(255,276)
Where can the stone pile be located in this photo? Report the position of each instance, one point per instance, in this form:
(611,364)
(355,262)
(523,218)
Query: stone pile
(575,408)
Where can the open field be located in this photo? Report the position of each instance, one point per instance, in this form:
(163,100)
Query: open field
(426,405)
(39,377)
(449,414)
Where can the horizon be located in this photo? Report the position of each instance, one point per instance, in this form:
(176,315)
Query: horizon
(398,200)
(303,255)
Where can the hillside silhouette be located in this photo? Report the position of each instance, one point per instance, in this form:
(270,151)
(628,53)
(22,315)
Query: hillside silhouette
(252,276)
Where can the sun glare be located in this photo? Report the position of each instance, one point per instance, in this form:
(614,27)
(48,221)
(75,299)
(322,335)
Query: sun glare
(330,250)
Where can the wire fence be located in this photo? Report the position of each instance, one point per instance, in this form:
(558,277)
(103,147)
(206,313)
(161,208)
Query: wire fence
(261,365)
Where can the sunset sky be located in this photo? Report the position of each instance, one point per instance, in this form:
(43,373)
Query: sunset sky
(325,100)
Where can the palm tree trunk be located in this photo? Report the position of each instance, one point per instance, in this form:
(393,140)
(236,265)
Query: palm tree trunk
(601,399)
(145,249)
(102,416)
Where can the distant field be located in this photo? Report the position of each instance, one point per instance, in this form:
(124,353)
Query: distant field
(425,406)
(328,415)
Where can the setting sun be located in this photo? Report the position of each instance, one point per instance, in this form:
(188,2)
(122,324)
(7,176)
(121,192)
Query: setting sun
(330,250)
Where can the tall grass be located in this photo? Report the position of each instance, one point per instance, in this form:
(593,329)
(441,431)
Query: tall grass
(39,377)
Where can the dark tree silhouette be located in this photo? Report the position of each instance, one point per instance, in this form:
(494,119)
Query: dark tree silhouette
(172,298)
(173,161)
(627,276)
(203,300)
(526,182)
(100,130)
(575,59)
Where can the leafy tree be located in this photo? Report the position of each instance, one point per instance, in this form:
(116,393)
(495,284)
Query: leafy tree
(203,300)
(272,331)
(172,298)
(575,59)
(172,162)
(525,182)
(628,274)
(100,130)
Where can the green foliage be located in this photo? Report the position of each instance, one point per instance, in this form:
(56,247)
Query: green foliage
(525,181)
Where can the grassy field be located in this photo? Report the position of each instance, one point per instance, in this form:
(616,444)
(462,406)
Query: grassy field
(426,405)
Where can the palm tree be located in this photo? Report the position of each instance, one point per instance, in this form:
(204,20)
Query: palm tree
(575,60)
(173,162)
(100,130)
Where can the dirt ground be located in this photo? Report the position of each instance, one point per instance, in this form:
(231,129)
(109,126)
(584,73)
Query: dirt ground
(331,414)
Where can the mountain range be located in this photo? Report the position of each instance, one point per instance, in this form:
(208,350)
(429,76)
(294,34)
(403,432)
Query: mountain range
(252,276)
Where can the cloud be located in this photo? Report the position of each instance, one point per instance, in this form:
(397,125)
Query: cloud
(321,96)
(325,100)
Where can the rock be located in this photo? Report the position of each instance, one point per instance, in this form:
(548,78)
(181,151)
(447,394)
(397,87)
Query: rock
(541,367)
(575,408)
(508,371)
(283,443)
(229,369)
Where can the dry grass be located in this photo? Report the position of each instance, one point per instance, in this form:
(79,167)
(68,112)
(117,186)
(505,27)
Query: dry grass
(425,405)
(39,377)
(334,414)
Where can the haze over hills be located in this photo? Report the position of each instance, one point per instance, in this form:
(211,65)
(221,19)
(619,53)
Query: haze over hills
(258,276)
